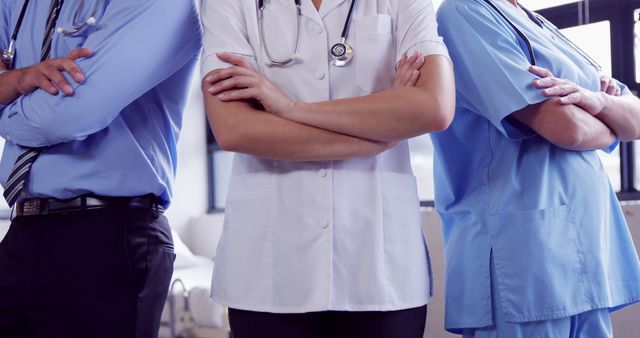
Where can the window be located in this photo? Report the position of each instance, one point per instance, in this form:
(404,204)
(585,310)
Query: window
(595,40)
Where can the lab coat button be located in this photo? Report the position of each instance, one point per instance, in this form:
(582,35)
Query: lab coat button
(318,29)
(320,75)
(326,224)
(322,172)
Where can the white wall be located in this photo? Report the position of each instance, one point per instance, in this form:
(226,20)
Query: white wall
(190,198)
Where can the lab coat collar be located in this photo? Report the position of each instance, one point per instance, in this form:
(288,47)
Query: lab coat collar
(309,10)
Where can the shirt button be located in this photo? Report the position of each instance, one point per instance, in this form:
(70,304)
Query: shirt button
(322,172)
(320,75)
(326,224)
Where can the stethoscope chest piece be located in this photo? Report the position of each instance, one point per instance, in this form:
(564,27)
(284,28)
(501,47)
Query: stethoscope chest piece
(341,54)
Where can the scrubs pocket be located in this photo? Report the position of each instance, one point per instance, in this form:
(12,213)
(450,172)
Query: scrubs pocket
(539,263)
(244,250)
(374,53)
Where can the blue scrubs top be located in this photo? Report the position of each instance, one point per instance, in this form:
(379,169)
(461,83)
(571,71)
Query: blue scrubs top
(549,216)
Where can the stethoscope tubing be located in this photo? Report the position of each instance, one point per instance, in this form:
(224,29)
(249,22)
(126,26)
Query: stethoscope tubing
(273,61)
(545,24)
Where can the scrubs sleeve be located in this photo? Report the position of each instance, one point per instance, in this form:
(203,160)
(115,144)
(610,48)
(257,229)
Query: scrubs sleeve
(417,30)
(225,31)
(491,66)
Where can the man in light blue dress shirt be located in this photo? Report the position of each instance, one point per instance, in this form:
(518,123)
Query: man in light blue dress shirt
(536,241)
(91,116)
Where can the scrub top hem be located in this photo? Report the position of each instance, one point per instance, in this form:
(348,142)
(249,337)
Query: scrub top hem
(616,306)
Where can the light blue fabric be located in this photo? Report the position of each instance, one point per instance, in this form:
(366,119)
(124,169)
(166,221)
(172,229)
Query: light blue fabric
(590,324)
(550,217)
(117,134)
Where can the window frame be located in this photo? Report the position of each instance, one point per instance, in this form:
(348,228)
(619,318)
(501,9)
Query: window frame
(620,15)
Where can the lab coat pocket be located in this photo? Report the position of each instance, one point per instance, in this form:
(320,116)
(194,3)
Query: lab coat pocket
(539,263)
(406,257)
(374,53)
(244,248)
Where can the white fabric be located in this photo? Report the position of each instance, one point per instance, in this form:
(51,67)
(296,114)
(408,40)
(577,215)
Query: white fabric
(315,236)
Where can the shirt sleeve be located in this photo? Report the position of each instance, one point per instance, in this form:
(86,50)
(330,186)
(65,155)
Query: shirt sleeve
(491,66)
(417,30)
(5,23)
(138,45)
(5,32)
(225,31)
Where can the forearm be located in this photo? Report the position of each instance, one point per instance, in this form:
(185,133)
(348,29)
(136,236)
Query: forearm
(622,115)
(392,115)
(566,126)
(9,87)
(238,127)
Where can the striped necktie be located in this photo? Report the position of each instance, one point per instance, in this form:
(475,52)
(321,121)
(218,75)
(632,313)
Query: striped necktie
(22,167)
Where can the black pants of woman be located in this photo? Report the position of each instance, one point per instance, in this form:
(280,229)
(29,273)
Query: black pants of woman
(408,323)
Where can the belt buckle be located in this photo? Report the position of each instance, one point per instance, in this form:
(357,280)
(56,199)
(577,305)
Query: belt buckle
(31,207)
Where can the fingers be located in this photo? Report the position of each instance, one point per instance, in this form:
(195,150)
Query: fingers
(413,80)
(54,75)
(548,82)
(223,74)
(561,90)
(240,94)
(43,83)
(236,82)
(71,68)
(408,70)
(80,53)
(604,82)
(235,60)
(539,71)
(612,87)
(574,98)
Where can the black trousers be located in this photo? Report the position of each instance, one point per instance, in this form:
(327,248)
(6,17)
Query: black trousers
(331,324)
(94,274)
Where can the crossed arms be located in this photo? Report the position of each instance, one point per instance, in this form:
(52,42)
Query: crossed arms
(280,128)
(578,119)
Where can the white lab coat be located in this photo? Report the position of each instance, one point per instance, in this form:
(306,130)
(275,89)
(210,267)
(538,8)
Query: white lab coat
(336,235)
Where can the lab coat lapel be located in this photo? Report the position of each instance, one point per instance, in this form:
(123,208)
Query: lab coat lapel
(328,6)
(309,10)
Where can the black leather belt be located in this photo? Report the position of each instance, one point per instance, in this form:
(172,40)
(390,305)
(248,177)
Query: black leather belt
(49,206)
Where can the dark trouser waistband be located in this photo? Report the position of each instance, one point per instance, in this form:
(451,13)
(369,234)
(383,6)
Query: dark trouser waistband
(49,206)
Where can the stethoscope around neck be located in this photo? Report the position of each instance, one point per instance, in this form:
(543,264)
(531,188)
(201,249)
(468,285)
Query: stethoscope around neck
(8,56)
(543,23)
(340,53)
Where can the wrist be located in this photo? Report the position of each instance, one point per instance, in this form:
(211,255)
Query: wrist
(605,102)
(293,109)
